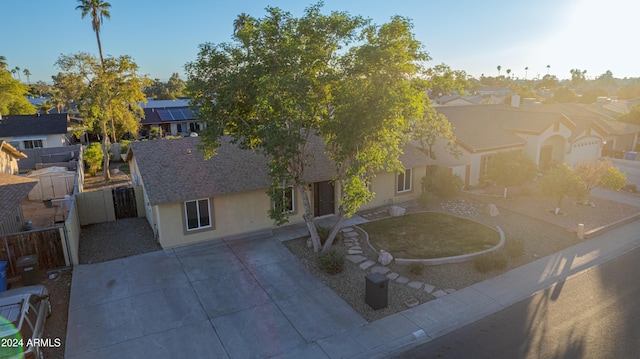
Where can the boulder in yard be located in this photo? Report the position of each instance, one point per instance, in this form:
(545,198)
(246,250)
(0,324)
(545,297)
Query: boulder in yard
(385,258)
(396,211)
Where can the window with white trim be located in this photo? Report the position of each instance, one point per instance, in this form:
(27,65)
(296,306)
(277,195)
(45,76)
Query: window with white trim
(405,180)
(32,144)
(287,203)
(197,214)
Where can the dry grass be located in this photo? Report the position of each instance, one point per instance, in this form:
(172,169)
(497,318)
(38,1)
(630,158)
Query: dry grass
(430,235)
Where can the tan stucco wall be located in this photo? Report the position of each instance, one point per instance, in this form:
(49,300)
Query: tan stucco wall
(384,187)
(8,163)
(233,215)
(96,207)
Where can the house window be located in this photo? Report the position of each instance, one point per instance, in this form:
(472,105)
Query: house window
(32,144)
(484,165)
(405,180)
(287,203)
(198,214)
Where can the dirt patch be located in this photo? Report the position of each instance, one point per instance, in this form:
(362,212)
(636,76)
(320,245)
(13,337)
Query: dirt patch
(111,240)
(97,182)
(59,287)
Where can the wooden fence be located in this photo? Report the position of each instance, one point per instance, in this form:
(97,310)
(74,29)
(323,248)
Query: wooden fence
(47,244)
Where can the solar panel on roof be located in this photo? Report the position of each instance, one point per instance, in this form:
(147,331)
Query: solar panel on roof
(165,115)
(177,114)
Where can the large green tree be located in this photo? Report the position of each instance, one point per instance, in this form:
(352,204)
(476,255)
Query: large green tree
(97,10)
(285,80)
(13,94)
(562,181)
(108,92)
(443,80)
(169,90)
(511,168)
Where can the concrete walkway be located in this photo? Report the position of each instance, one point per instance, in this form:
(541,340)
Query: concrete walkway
(251,298)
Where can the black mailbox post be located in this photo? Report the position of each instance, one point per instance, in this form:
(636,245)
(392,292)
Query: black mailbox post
(377,291)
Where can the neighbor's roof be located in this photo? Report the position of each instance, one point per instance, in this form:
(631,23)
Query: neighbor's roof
(151,103)
(13,190)
(479,128)
(6,146)
(160,115)
(174,169)
(29,125)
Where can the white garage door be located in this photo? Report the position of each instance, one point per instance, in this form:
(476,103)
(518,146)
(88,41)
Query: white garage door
(584,150)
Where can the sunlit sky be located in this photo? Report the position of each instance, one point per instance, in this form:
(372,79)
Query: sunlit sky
(471,35)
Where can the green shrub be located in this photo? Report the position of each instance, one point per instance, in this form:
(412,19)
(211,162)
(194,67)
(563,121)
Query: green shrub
(93,156)
(331,261)
(416,268)
(323,233)
(442,183)
(490,261)
(514,247)
(124,146)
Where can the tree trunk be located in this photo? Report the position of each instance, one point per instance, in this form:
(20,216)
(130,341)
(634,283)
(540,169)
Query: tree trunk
(100,49)
(308,217)
(334,231)
(105,149)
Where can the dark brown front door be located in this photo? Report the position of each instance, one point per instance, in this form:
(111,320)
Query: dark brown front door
(323,198)
(546,156)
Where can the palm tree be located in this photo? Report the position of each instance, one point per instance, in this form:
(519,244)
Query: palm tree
(525,72)
(548,67)
(508,72)
(98,10)
(499,68)
(27,73)
(16,70)
(3,62)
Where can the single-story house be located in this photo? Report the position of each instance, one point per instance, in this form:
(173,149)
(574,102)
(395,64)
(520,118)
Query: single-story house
(13,190)
(189,199)
(35,131)
(546,136)
(173,121)
(9,157)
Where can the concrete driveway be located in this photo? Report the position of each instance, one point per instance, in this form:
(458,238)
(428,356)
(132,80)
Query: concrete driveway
(246,298)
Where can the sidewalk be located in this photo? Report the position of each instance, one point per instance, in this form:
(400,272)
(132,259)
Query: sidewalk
(401,331)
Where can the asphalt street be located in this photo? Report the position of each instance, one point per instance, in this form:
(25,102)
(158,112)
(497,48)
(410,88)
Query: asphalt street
(594,314)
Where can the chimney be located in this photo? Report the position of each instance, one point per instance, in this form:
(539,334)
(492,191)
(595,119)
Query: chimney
(515,101)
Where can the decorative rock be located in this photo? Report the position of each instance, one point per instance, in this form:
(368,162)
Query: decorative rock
(439,293)
(351,234)
(385,258)
(367,264)
(393,275)
(353,251)
(354,258)
(396,211)
(381,270)
(347,229)
(412,302)
(356,247)
(415,285)
(428,288)
(493,210)
(402,280)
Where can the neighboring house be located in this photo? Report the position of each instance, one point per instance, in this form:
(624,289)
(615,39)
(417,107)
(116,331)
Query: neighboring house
(173,121)
(35,131)
(493,91)
(189,199)
(13,190)
(9,157)
(544,134)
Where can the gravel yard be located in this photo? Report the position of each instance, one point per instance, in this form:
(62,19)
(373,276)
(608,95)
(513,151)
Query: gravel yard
(522,221)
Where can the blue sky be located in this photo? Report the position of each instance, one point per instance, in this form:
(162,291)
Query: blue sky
(471,35)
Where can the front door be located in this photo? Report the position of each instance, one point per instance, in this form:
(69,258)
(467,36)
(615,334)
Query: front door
(323,198)
(546,157)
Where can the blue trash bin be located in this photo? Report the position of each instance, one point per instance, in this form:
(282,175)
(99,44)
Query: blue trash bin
(3,276)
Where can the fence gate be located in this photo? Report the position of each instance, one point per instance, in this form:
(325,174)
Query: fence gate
(124,202)
(46,243)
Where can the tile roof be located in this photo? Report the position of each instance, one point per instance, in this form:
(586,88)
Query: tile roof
(174,169)
(29,125)
(13,190)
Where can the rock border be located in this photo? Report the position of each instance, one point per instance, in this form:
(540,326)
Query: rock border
(444,260)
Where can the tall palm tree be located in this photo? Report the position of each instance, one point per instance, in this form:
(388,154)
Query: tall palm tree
(3,62)
(499,68)
(98,10)
(508,72)
(526,69)
(548,67)
(27,73)
(17,71)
